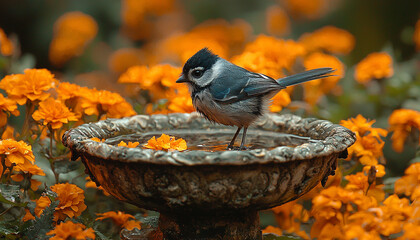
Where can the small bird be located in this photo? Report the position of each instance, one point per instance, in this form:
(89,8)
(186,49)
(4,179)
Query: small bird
(231,95)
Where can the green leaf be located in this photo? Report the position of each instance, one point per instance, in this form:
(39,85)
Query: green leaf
(38,228)
(10,194)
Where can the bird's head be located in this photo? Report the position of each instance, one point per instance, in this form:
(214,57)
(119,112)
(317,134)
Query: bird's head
(199,69)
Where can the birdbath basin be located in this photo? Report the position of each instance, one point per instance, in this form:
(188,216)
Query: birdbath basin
(208,192)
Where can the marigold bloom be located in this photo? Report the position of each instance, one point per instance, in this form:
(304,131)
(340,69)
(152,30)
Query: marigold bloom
(277,22)
(331,39)
(54,113)
(17,153)
(368,146)
(416,35)
(30,169)
(72,32)
(380,170)
(71,200)
(166,142)
(7,106)
(32,85)
(70,230)
(6,46)
(280,100)
(129,144)
(315,89)
(408,184)
(221,37)
(271,229)
(122,59)
(258,62)
(353,231)
(66,90)
(289,217)
(359,182)
(411,232)
(41,203)
(374,66)
(181,104)
(281,53)
(306,9)
(121,219)
(402,122)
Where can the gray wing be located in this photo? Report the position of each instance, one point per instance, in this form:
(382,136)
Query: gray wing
(235,84)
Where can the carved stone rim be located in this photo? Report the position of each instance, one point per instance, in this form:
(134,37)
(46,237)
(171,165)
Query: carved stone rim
(332,138)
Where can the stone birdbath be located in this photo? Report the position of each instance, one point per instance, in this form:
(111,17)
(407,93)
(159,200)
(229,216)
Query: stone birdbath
(208,192)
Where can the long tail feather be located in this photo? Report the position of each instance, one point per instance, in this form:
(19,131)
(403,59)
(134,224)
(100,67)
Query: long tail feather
(305,76)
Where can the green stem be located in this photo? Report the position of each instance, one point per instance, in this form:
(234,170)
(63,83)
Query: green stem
(50,153)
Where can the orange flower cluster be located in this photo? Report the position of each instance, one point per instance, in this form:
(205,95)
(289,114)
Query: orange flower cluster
(94,102)
(6,46)
(72,32)
(159,81)
(368,146)
(277,22)
(19,160)
(289,217)
(166,142)
(122,59)
(374,66)
(409,185)
(218,35)
(121,219)
(41,203)
(71,199)
(403,122)
(136,13)
(330,39)
(314,90)
(33,85)
(270,56)
(53,113)
(7,106)
(129,144)
(70,230)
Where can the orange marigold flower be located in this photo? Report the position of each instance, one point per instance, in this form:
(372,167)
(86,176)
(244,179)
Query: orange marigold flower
(121,219)
(28,169)
(54,113)
(380,170)
(374,66)
(7,106)
(277,22)
(416,35)
(368,146)
(17,153)
(181,104)
(362,126)
(408,184)
(271,229)
(332,207)
(41,203)
(289,217)
(67,90)
(411,231)
(315,89)
(359,182)
(71,199)
(280,100)
(72,32)
(403,122)
(122,59)
(6,46)
(166,142)
(306,9)
(282,53)
(331,39)
(354,231)
(70,230)
(394,213)
(32,85)
(129,144)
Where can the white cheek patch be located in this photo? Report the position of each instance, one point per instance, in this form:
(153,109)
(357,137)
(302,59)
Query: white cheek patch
(210,74)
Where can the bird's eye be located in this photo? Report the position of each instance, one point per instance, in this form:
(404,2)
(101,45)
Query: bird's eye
(197,73)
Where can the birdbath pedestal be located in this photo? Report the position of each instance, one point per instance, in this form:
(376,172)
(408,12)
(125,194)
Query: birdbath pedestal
(208,192)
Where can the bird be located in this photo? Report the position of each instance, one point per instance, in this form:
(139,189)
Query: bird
(228,94)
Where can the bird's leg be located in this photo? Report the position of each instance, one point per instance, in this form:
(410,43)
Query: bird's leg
(242,147)
(230,146)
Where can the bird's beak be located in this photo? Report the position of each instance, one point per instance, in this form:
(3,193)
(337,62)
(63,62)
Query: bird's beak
(181,79)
